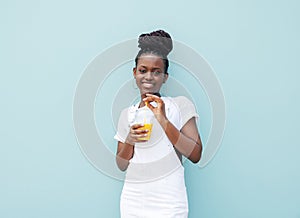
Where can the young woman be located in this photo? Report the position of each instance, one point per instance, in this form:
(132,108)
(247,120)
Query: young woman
(154,185)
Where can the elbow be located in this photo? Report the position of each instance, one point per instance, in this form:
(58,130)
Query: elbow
(122,164)
(122,168)
(196,159)
(198,155)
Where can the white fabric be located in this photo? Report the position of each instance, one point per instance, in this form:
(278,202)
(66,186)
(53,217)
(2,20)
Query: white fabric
(154,185)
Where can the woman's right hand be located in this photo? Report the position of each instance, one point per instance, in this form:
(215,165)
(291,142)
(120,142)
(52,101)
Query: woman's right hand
(136,134)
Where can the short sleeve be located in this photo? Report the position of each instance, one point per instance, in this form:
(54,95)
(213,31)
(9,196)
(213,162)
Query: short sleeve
(123,127)
(187,109)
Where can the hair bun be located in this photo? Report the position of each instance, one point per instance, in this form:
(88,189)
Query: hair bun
(159,41)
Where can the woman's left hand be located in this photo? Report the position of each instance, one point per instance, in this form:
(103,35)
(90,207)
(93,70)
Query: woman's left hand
(158,111)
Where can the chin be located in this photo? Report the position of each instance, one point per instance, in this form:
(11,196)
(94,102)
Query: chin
(149,91)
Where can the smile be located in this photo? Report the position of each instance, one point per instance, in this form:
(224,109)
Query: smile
(148,84)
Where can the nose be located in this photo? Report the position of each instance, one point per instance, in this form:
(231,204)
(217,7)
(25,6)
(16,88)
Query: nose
(149,75)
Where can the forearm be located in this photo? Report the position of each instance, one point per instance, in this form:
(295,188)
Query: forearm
(124,154)
(126,149)
(189,147)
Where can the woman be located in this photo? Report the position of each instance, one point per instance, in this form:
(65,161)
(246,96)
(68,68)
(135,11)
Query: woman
(154,185)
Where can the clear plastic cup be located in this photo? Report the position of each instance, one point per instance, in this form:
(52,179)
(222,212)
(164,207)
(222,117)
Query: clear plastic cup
(145,116)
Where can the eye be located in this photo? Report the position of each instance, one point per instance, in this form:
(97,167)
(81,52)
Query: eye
(157,73)
(142,71)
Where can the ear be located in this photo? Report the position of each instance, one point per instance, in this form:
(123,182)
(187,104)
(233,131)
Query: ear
(166,76)
(134,72)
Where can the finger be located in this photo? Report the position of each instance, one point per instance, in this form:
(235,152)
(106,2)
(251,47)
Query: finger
(157,100)
(151,95)
(152,98)
(150,106)
(140,141)
(140,138)
(139,132)
(136,126)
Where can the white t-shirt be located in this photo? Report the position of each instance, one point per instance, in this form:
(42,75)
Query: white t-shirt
(178,111)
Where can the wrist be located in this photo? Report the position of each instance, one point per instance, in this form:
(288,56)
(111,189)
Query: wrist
(129,143)
(163,121)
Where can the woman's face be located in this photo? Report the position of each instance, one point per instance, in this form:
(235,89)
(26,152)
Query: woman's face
(149,73)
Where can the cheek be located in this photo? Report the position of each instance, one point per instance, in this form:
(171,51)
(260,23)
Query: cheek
(138,80)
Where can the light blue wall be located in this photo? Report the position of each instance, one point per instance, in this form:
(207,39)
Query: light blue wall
(252,45)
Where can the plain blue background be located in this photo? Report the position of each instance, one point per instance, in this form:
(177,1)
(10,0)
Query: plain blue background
(252,45)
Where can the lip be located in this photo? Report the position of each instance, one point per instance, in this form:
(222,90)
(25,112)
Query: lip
(148,85)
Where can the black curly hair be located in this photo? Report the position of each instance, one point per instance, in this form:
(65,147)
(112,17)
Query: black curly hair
(158,43)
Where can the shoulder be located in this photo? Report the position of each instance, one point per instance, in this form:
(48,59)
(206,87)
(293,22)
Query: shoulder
(124,111)
(181,101)
(129,109)
(124,114)
(127,115)
(186,108)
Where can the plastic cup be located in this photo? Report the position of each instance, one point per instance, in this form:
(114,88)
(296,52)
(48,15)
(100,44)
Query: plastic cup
(147,126)
(145,116)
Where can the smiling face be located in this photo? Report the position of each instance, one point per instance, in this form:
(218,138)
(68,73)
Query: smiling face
(149,73)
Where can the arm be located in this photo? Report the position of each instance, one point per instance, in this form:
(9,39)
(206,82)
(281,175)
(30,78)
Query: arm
(187,141)
(124,154)
(125,150)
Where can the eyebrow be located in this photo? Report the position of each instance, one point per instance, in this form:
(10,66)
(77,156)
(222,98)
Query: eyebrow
(154,68)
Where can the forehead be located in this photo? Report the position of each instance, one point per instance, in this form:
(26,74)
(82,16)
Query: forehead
(150,60)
